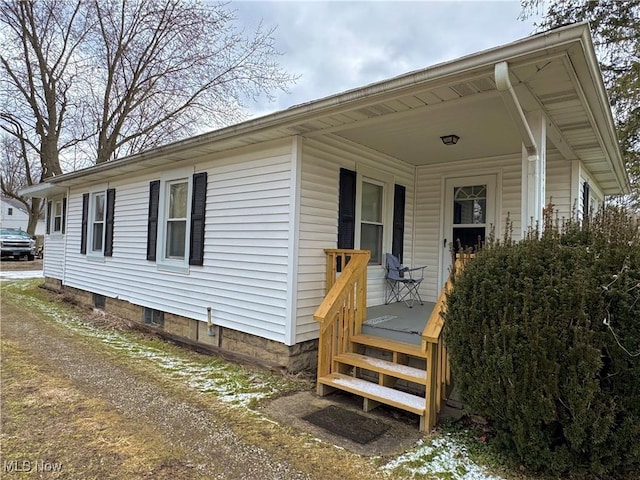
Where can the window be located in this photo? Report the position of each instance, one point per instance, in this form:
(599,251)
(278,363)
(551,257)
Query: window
(176,222)
(57,216)
(371,214)
(99,301)
(470,205)
(153,317)
(469,216)
(98,212)
(176,219)
(9,211)
(97,222)
(371,220)
(56,213)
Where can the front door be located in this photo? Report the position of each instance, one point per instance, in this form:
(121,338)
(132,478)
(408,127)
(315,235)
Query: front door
(469,214)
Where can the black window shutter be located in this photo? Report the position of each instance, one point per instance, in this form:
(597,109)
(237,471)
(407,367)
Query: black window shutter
(347,209)
(108,233)
(85,217)
(48,217)
(64,214)
(585,201)
(399,200)
(152,221)
(198,206)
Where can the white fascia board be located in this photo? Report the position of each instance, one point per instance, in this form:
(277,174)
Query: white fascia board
(587,67)
(42,190)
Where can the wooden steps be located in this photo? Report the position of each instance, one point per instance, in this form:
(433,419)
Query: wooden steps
(388,373)
(383,367)
(372,391)
(389,344)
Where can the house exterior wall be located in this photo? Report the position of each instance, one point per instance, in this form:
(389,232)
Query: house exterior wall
(54,256)
(430,180)
(244,276)
(12,217)
(558,184)
(322,159)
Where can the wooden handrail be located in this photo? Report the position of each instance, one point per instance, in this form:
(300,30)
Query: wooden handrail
(343,310)
(433,328)
(438,368)
(342,286)
(342,256)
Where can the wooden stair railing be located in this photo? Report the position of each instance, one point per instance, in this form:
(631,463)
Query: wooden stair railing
(343,309)
(341,345)
(439,378)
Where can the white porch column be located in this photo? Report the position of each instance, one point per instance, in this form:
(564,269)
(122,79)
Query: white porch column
(534,171)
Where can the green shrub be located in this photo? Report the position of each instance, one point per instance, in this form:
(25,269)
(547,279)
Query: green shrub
(544,339)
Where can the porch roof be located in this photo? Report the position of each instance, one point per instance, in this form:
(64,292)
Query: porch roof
(555,72)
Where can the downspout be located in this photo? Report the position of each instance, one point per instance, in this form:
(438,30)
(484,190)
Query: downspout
(531,203)
(503,83)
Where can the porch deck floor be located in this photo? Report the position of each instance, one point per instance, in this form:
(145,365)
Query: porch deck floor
(397,321)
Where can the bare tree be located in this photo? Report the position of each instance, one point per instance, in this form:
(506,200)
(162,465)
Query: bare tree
(164,69)
(38,68)
(115,77)
(40,65)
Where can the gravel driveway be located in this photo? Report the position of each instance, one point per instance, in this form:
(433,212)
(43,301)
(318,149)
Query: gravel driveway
(213,449)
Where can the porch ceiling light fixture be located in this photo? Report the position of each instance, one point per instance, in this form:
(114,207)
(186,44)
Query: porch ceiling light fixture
(450,139)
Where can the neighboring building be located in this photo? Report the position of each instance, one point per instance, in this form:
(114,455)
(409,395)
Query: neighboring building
(13,214)
(224,233)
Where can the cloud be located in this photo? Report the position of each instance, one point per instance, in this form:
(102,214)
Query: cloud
(336,46)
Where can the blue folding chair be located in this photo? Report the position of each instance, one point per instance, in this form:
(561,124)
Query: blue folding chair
(402,283)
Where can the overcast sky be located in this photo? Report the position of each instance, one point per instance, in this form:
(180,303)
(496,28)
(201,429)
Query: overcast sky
(338,45)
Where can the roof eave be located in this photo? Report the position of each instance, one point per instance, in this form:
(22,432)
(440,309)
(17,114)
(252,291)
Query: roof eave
(520,49)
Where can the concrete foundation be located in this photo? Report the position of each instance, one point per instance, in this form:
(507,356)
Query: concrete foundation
(296,358)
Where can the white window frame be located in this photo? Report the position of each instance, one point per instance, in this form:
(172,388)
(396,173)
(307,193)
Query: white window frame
(56,214)
(180,265)
(91,222)
(386,181)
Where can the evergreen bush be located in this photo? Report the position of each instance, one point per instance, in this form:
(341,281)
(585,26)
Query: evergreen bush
(544,340)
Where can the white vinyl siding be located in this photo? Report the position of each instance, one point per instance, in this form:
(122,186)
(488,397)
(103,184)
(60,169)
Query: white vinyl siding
(321,163)
(244,276)
(558,182)
(53,260)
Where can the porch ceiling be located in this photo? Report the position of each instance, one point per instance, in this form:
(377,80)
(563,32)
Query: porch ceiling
(481,121)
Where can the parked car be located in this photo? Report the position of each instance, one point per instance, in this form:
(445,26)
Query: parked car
(17,244)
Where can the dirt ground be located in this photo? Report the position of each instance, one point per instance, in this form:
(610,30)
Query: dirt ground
(71,409)
(11,265)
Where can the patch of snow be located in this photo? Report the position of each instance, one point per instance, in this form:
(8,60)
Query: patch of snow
(21,275)
(443,457)
(231,384)
(384,318)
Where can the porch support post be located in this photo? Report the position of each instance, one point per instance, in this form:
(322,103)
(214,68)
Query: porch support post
(534,167)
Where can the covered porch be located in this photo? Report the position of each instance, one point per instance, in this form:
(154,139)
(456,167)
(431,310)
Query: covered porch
(387,354)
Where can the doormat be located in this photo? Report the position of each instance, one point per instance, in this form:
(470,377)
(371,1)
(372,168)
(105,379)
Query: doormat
(348,424)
